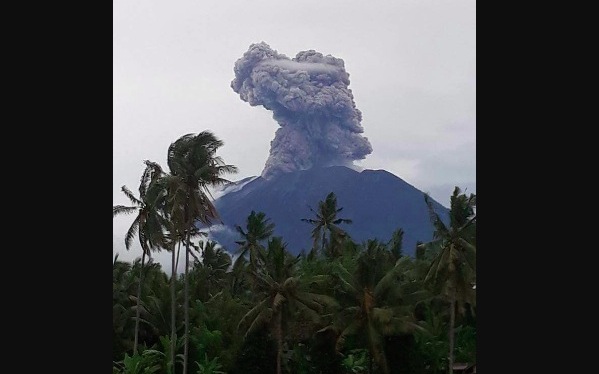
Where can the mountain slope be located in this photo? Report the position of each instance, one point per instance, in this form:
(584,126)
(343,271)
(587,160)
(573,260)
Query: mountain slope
(377,202)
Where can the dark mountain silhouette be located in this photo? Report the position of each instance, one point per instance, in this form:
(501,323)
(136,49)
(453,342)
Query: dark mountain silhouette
(377,202)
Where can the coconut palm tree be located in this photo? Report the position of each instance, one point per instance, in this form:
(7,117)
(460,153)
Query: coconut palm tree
(160,193)
(148,224)
(376,301)
(452,271)
(194,167)
(279,292)
(325,226)
(163,191)
(259,229)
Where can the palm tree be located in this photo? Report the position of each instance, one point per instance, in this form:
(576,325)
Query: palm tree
(259,228)
(148,225)
(326,221)
(376,302)
(194,167)
(161,192)
(279,291)
(452,272)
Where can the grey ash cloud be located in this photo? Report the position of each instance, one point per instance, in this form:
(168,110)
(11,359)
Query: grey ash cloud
(310,100)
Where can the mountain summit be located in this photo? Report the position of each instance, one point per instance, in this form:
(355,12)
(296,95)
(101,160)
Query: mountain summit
(377,202)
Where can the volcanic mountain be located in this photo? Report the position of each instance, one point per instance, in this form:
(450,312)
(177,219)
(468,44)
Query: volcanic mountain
(320,125)
(377,202)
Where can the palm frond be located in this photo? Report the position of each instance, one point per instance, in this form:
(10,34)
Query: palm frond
(121,209)
(131,232)
(130,195)
(353,328)
(251,315)
(262,319)
(440,227)
(152,172)
(344,278)
(316,302)
(307,310)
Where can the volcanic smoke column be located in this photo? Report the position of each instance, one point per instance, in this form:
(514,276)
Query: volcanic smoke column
(309,98)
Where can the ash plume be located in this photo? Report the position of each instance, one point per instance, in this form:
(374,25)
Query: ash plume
(311,101)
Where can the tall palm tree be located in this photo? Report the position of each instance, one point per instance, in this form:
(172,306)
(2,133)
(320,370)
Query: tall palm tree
(259,229)
(325,226)
(194,167)
(160,193)
(173,285)
(147,224)
(279,291)
(452,272)
(376,301)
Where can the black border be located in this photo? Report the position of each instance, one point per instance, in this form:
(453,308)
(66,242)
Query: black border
(64,153)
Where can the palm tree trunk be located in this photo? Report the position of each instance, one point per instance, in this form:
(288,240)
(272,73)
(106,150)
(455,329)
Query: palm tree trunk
(370,362)
(186,306)
(173,310)
(137,310)
(177,262)
(279,338)
(451,329)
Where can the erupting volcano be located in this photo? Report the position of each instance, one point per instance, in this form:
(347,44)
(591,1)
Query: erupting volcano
(311,155)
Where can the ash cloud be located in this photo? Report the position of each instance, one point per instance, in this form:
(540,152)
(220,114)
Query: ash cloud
(311,101)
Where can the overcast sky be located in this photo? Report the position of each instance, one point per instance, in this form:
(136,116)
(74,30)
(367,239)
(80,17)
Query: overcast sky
(411,65)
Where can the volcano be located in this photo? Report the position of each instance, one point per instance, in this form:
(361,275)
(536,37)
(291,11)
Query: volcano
(377,202)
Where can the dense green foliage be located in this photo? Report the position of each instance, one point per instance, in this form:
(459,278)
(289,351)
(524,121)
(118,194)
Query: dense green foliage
(346,307)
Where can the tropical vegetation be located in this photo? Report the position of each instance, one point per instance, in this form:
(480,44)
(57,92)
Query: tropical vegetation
(345,307)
